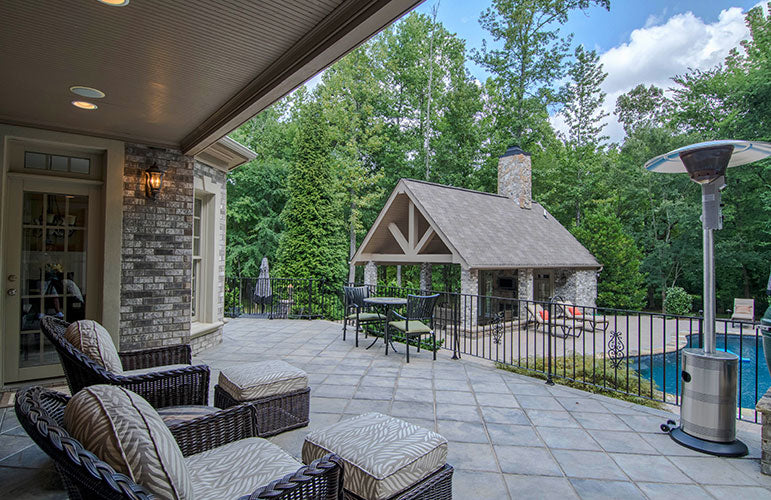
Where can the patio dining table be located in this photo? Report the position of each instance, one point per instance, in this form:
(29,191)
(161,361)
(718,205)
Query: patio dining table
(385,304)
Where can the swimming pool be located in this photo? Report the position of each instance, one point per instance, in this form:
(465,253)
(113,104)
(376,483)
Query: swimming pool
(752,367)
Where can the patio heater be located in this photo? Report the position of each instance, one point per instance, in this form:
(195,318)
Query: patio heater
(709,377)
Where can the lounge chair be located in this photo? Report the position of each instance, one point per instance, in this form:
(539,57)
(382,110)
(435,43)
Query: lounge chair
(744,311)
(561,327)
(582,317)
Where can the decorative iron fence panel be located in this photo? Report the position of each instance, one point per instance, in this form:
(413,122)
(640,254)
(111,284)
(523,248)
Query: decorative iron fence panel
(634,353)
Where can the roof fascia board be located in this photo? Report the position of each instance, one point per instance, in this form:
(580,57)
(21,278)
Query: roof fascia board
(349,25)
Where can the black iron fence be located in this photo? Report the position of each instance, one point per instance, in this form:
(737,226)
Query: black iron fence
(633,353)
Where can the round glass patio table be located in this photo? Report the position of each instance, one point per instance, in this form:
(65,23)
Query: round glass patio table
(385,304)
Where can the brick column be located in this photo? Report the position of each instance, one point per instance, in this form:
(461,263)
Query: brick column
(469,301)
(526,289)
(425,276)
(370,274)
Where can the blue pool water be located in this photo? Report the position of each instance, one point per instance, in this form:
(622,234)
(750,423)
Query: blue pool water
(752,365)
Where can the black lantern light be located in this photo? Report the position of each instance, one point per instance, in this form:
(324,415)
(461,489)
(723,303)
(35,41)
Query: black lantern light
(153,181)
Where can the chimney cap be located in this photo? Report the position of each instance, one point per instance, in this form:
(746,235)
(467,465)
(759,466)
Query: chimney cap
(514,150)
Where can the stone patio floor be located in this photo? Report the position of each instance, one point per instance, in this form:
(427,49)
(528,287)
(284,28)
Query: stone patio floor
(510,436)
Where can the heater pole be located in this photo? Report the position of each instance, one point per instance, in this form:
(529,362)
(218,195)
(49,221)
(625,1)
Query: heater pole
(711,219)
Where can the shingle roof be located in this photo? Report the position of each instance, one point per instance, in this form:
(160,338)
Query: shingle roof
(490,230)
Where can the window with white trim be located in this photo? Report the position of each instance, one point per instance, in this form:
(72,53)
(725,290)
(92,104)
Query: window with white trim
(198,247)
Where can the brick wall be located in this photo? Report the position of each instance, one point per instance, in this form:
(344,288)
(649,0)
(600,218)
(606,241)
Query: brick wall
(157,250)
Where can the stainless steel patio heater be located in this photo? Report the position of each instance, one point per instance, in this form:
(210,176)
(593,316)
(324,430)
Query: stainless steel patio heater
(709,377)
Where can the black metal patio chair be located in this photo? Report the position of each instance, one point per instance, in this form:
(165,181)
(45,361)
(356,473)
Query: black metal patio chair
(419,320)
(357,310)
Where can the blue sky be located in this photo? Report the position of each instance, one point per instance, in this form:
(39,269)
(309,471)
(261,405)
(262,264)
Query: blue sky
(639,41)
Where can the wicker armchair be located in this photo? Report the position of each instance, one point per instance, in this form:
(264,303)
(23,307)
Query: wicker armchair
(179,386)
(41,413)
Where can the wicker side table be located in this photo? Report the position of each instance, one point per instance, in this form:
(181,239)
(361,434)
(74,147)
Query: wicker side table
(278,392)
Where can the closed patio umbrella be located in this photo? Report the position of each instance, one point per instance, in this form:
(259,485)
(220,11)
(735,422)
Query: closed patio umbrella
(263,293)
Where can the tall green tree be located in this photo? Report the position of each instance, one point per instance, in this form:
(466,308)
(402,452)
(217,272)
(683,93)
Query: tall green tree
(642,107)
(313,244)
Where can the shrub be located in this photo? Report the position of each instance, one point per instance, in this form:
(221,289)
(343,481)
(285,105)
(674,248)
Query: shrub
(592,374)
(678,301)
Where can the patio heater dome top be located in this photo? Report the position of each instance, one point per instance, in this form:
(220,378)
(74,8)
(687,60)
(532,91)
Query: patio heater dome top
(737,153)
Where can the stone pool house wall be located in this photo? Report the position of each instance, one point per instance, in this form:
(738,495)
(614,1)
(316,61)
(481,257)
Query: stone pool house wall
(506,244)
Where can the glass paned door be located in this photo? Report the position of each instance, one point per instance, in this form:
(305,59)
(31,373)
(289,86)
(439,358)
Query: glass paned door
(542,284)
(48,264)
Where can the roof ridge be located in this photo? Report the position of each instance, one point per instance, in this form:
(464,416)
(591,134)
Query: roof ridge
(453,187)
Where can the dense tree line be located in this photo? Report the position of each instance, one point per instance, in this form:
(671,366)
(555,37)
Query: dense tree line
(404,105)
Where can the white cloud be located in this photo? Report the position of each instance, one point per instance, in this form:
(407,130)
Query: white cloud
(659,51)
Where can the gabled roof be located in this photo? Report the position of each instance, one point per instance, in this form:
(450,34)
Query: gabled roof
(483,230)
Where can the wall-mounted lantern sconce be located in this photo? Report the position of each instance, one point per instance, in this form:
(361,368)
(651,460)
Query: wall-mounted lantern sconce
(153,181)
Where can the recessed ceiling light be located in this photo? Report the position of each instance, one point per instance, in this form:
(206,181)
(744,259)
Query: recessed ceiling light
(89,92)
(115,3)
(84,105)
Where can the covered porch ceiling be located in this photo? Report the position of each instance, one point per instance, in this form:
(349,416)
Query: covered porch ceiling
(176,73)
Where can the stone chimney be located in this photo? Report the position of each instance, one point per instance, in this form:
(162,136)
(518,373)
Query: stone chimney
(514,176)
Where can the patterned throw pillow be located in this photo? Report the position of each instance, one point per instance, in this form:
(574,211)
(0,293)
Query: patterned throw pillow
(122,429)
(95,342)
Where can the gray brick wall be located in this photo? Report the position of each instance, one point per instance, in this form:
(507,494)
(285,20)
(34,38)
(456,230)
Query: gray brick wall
(157,250)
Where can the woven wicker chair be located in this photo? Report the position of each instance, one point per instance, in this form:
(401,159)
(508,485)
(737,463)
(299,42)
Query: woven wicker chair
(41,413)
(180,386)
(357,310)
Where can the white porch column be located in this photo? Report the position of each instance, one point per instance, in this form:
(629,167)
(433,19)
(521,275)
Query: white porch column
(370,274)
(526,289)
(469,300)
(425,276)
(399,275)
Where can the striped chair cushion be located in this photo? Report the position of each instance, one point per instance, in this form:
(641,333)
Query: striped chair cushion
(122,429)
(260,380)
(238,468)
(173,415)
(383,455)
(93,340)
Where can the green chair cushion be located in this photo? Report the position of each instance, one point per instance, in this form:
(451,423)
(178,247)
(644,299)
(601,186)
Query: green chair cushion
(366,316)
(415,326)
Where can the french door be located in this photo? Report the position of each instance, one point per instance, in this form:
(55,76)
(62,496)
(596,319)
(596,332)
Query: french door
(51,262)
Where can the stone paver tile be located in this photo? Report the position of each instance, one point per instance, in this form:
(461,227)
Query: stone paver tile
(540,403)
(383,371)
(593,489)
(455,397)
(499,388)
(418,395)
(712,470)
(421,422)
(334,391)
(412,409)
(586,405)
(643,422)
(588,464)
(664,445)
(447,411)
(9,422)
(471,456)
(10,444)
(452,376)
(600,421)
(568,438)
(328,405)
(359,406)
(622,442)
(740,492)
(532,389)
(415,383)
(351,380)
(649,468)
(665,491)
(540,487)
(751,468)
(315,379)
(516,435)
(620,408)
(526,460)
(499,400)
(25,484)
(464,432)
(495,415)
(31,457)
(551,418)
(478,485)
(381,393)
(321,420)
(372,381)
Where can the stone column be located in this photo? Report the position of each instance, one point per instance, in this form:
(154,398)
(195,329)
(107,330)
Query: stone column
(399,275)
(469,300)
(370,274)
(764,407)
(425,276)
(526,289)
(586,288)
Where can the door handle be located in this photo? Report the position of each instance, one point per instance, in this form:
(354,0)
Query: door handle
(11,291)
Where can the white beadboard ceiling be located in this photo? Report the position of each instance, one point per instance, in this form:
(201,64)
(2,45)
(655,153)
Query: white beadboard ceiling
(178,73)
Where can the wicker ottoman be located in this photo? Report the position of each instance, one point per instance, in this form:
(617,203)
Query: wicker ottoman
(385,458)
(278,391)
